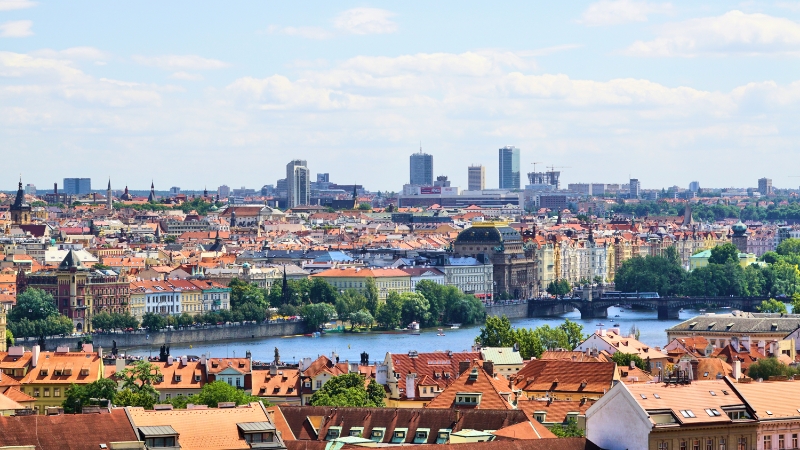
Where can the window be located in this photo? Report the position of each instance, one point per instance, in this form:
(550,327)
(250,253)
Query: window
(687,413)
(663,445)
(767,442)
(319,384)
(47,392)
(781,442)
(683,445)
(35,392)
(742,444)
(238,382)
(57,393)
(794,440)
(709,444)
(722,444)
(696,444)
(160,442)
(251,438)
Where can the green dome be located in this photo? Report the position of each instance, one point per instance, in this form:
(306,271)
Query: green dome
(739,229)
(489,234)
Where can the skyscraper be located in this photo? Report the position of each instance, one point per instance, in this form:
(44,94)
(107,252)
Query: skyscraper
(298,183)
(634,188)
(224,191)
(421,169)
(765,186)
(77,186)
(476,178)
(694,186)
(509,167)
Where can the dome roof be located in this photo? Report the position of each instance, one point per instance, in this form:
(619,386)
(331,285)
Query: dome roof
(489,233)
(739,228)
(246,265)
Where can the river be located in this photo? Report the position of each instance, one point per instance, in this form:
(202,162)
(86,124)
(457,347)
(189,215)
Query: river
(350,345)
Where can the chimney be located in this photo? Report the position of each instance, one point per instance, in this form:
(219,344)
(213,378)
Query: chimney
(488,367)
(34,356)
(633,365)
(119,365)
(170,360)
(410,388)
(100,352)
(737,369)
(273,370)
(695,363)
(463,366)
(203,360)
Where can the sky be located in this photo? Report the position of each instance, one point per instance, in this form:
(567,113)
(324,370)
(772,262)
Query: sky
(194,94)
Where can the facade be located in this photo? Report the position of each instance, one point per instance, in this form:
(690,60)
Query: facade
(470,274)
(80,292)
(745,328)
(77,186)
(386,279)
(298,183)
(509,168)
(418,274)
(700,415)
(513,264)
(765,186)
(476,178)
(421,169)
(53,372)
(634,188)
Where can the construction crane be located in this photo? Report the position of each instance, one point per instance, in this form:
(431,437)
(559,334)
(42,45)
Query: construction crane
(534,165)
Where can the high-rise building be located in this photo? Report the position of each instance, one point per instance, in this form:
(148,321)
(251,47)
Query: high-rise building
(509,167)
(442,181)
(323,178)
(298,183)
(421,165)
(765,186)
(476,178)
(694,186)
(224,191)
(634,188)
(175,190)
(77,186)
(30,189)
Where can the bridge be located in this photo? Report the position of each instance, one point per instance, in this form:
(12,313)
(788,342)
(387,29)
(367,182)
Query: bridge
(667,307)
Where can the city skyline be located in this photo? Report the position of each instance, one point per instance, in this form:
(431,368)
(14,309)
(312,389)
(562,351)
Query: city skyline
(604,87)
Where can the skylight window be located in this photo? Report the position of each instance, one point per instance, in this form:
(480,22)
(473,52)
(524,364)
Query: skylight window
(712,412)
(713,394)
(726,393)
(687,413)
(656,396)
(769,413)
(643,396)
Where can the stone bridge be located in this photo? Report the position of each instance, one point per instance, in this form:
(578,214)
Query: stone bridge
(667,307)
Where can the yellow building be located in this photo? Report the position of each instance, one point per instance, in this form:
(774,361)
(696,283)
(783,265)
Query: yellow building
(137,301)
(701,259)
(386,280)
(54,372)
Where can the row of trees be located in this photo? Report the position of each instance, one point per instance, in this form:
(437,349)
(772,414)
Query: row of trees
(710,213)
(531,342)
(35,315)
(723,276)
(136,389)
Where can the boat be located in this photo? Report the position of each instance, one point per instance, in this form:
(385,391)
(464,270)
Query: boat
(455,326)
(616,315)
(601,324)
(615,325)
(702,310)
(413,326)
(440,333)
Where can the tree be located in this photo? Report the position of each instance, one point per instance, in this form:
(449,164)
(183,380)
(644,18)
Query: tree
(9,338)
(320,291)
(530,345)
(317,314)
(789,246)
(349,303)
(127,397)
(371,294)
(769,367)
(771,306)
(243,292)
(389,312)
(349,390)
(361,318)
(559,288)
(185,319)
(252,312)
(570,429)
(153,322)
(214,393)
(77,396)
(574,332)
(365,207)
(724,253)
(33,304)
(662,274)
(415,308)
(624,360)
(496,332)
(140,377)
(796,303)
(102,321)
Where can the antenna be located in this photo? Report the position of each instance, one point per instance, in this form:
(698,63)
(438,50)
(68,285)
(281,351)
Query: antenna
(534,165)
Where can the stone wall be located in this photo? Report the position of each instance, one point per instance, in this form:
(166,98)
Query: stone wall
(513,311)
(186,336)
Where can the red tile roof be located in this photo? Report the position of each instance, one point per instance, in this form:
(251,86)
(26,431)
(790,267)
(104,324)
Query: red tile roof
(66,432)
(566,376)
(440,367)
(475,379)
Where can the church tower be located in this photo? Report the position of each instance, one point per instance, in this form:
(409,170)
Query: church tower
(20,211)
(152,197)
(109,203)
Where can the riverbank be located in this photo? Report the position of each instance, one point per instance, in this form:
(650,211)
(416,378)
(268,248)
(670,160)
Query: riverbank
(184,337)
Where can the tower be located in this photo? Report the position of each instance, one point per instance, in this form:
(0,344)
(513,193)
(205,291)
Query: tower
(20,210)
(298,183)
(476,178)
(509,167)
(152,197)
(3,346)
(109,204)
(421,169)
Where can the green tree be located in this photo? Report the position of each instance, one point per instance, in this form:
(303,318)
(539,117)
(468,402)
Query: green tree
(415,308)
(650,274)
(570,429)
(788,247)
(796,303)
(559,288)
(496,332)
(574,333)
(785,278)
(243,292)
(185,319)
(769,367)
(102,321)
(365,207)
(320,291)
(552,338)
(530,344)
(317,314)
(9,338)
(771,306)
(218,392)
(77,396)
(140,377)
(153,322)
(350,302)
(252,312)
(371,294)
(624,360)
(361,318)
(33,304)
(127,397)
(349,390)
(724,253)
(389,312)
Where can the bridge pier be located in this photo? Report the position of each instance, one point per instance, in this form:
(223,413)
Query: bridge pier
(589,311)
(665,312)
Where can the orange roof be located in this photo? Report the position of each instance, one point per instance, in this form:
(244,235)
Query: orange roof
(556,410)
(780,398)
(566,376)
(203,429)
(695,397)
(180,376)
(286,382)
(8,404)
(525,430)
(65,368)
(217,365)
(495,394)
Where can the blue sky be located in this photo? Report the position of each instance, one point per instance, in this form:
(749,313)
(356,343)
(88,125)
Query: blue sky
(209,93)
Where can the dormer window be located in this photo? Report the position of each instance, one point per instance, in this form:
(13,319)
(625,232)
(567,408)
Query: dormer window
(421,435)
(177,378)
(399,435)
(333,433)
(377,434)
(540,416)
(443,436)
(468,398)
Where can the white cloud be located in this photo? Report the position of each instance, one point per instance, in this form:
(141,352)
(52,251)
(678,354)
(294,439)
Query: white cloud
(733,33)
(186,76)
(791,6)
(365,21)
(16,29)
(615,12)
(9,5)
(74,53)
(176,62)
(304,32)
